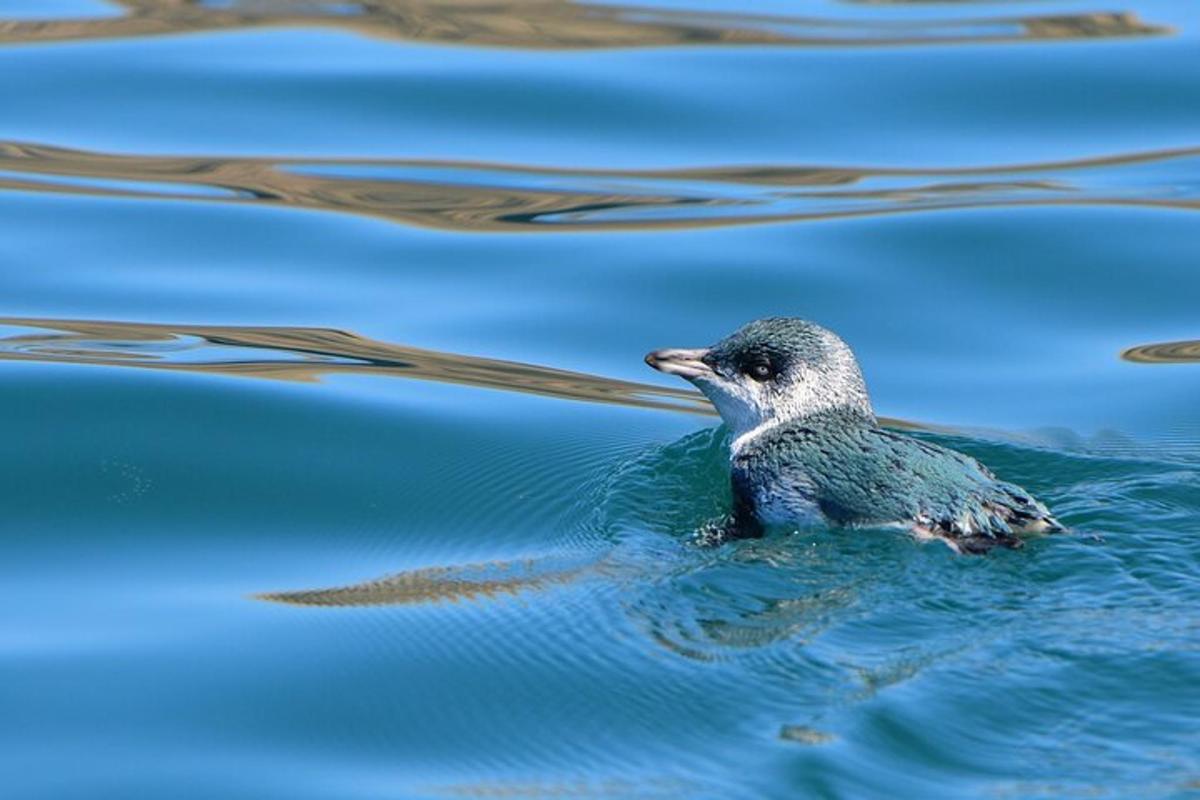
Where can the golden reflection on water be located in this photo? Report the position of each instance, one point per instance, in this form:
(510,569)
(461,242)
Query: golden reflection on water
(473,196)
(1186,352)
(559,24)
(437,585)
(307,354)
(803,734)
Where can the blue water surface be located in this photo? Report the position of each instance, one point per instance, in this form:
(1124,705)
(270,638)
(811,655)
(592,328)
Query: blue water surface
(334,470)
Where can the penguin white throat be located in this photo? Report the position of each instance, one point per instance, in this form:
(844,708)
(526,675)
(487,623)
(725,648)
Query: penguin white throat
(770,372)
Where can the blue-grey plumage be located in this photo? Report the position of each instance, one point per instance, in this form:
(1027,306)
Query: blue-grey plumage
(806,444)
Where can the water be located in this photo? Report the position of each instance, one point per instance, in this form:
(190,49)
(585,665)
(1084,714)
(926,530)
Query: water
(334,470)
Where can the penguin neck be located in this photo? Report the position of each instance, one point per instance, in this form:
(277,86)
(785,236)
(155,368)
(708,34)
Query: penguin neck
(846,413)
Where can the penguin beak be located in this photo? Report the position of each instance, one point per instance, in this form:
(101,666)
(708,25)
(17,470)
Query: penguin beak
(687,364)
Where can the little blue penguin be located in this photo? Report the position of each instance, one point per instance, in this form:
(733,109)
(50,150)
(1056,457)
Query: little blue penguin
(806,445)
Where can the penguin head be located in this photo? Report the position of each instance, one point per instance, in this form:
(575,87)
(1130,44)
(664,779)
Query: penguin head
(771,370)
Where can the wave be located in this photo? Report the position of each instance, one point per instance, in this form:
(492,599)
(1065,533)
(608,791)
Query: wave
(1185,352)
(476,196)
(307,354)
(438,584)
(563,25)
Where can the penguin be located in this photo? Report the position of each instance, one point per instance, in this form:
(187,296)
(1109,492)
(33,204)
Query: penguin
(806,446)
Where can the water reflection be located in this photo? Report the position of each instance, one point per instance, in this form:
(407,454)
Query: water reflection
(558,24)
(802,734)
(439,585)
(467,196)
(1186,352)
(694,602)
(307,354)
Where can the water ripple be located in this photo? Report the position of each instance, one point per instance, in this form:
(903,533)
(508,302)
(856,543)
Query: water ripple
(307,354)
(471,196)
(1186,352)
(439,584)
(562,25)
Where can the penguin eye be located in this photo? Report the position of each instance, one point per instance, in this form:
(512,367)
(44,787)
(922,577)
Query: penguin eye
(760,371)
